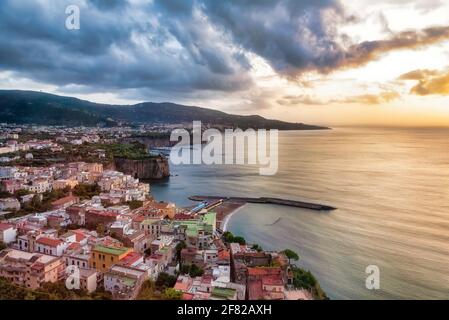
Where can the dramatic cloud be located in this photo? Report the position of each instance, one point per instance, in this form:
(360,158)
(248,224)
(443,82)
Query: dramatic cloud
(371,99)
(418,74)
(364,99)
(364,52)
(119,46)
(429,82)
(195,48)
(301,99)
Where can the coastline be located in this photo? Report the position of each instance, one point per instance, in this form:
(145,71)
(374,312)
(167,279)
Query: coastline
(224,223)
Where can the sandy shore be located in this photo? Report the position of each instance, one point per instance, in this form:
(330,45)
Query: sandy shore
(224,222)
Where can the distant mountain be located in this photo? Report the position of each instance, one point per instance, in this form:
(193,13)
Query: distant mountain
(31,107)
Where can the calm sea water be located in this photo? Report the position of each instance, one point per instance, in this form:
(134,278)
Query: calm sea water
(391,188)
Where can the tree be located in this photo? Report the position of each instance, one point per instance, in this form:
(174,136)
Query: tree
(135,204)
(239,240)
(164,280)
(303,279)
(195,271)
(86,191)
(5,194)
(148,251)
(291,255)
(172,294)
(20,193)
(147,291)
(257,247)
(192,270)
(228,237)
(181,245)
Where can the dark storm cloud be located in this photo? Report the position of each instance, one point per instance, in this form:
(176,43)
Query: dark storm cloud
(291,35)
(180,46)
(119,49)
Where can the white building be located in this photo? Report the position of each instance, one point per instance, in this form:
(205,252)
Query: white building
(51,246)
(9,204)
(88,280)
(8,233)
(124,282)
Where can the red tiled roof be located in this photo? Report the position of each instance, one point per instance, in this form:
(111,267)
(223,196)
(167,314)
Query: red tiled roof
(264,271)
(255,290)
(103,213)
(80,237)
(139,219)
(5,226)
(224,255)
(49,241)
(272,280)
(74,246)
(130,258)
(64,200)
(182,216)
(182,286)
(187,296)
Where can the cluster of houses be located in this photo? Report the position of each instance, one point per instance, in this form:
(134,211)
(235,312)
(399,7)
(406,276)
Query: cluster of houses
(116,187)
(13,146)
(118,248)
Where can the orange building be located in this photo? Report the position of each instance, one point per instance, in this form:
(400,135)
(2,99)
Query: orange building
(102,257)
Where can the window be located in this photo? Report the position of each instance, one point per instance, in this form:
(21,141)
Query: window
(104,266)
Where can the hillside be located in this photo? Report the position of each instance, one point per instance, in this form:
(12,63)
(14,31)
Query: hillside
(30,107)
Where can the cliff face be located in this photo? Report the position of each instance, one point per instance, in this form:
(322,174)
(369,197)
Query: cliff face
(146,169)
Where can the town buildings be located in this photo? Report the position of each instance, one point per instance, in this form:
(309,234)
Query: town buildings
(30,270)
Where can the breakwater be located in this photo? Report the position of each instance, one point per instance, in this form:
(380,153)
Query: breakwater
(267,200)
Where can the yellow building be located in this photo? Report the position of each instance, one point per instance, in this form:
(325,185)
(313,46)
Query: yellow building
(103,257)
(62,183)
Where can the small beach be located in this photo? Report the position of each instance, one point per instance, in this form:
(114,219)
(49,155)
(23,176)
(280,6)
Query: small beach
(225,221)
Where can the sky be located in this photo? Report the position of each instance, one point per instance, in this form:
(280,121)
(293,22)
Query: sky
(328,62)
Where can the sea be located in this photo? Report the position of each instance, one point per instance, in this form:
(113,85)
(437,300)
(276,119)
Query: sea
(391,191)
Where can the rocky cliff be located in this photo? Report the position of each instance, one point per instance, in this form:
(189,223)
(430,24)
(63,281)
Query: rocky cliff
(145,169)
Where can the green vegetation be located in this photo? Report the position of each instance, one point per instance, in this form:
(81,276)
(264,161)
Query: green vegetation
(228,237)
(153,291)
(181,245)
(305,280)
(134,150)
(134,204)
(20,193)
(257,247)
(172,294)
(193,270)
(164,280)
(86,191)
(47,109)
(37,204)
(148,291)
(48,291)
(5,194)
(291,255)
